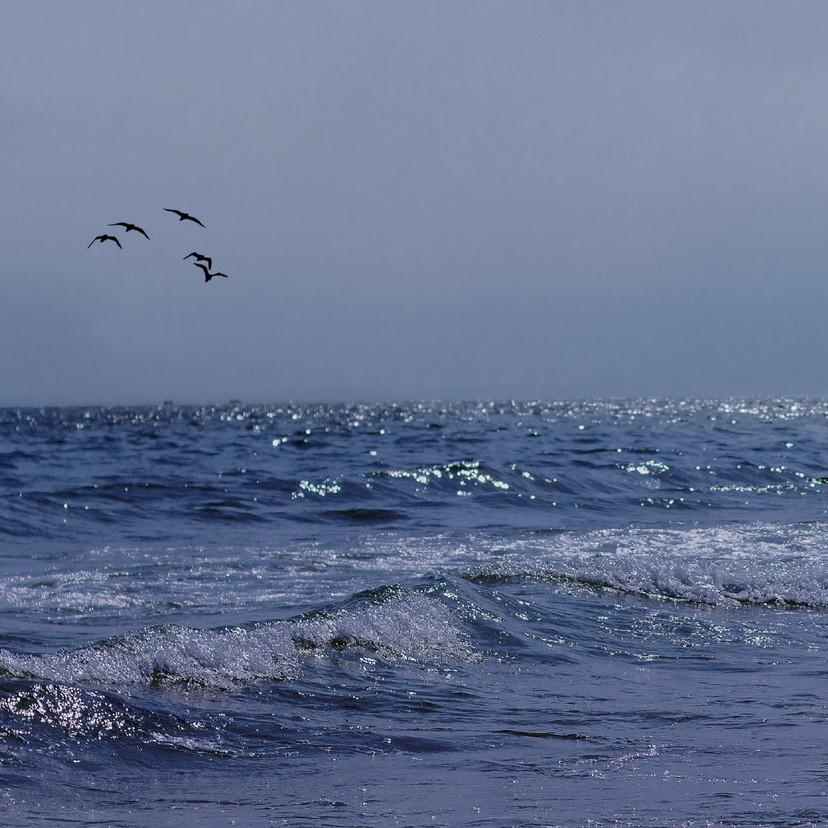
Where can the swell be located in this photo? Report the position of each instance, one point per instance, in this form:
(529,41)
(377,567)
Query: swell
(469,494)
(178,471)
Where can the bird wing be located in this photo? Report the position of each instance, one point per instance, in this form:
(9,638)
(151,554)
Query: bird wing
(177,212)
(207,274)
(119,224)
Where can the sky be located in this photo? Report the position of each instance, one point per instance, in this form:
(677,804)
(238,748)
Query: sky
(413,200)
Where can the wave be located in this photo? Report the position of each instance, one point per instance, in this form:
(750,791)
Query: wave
(388,625)
(176,472)
(760,564)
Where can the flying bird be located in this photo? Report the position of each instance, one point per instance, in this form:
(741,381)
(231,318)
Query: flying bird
(129,227)
(200,258)
(183,216)
(207,274)
(102,239)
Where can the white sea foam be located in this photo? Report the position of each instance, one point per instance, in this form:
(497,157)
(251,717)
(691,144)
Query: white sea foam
(409,627)
(754,564)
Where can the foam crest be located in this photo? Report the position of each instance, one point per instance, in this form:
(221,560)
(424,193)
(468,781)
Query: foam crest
(408,627)
(760,564)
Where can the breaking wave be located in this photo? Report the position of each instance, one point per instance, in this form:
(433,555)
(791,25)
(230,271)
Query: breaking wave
(402,627)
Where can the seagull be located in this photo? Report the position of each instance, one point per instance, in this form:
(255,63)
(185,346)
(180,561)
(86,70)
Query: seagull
(207,274)
(200,258)
(129,227)
(183,216)
(102,239)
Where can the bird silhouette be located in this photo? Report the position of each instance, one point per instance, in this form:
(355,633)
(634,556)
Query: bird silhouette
(200,258)
(183,216)
(129,227)
(102,238)
(207,274)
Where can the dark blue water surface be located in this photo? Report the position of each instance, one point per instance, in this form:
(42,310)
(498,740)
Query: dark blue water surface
(484,614)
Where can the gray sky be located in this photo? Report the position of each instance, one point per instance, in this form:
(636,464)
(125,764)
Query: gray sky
(413,199)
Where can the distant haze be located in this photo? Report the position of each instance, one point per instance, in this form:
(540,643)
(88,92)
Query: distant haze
(413,199)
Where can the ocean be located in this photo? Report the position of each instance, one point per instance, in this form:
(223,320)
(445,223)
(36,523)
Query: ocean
(577,613)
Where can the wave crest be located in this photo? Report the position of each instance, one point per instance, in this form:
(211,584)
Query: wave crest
(755,565)
(409,627)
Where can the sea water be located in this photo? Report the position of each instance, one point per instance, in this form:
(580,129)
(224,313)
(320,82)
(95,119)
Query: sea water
(478,614)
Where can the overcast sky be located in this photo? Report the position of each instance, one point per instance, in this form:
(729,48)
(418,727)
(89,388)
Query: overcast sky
(413,199)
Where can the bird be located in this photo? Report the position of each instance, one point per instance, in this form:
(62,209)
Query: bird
(183,216)
(207,274)
(200,258)
(129,227)
(102,239)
